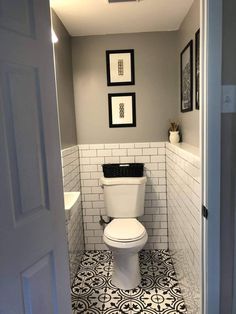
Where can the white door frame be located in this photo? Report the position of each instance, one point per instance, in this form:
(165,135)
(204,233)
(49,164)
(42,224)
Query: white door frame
(211,86)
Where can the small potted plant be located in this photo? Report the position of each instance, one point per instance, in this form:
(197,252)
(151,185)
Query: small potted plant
(174,136)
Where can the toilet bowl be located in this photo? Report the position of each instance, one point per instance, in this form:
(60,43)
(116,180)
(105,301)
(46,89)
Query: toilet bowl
(125,237)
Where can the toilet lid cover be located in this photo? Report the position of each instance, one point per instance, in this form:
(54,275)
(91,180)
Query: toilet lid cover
(124,230)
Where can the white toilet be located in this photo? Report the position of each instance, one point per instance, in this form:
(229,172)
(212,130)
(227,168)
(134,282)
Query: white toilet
(125,236)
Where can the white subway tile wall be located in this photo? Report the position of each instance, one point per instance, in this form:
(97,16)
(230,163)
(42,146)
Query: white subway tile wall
(155,218)
(183,194)
(70,169)
(163,163)
(74,225)
(75,238)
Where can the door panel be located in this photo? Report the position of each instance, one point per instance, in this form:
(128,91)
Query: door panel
(39,287)
(34,270)
(17,15)
(22,111)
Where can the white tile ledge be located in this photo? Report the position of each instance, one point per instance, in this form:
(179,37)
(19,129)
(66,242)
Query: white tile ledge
(71,203)
(193,150)
(123,145)
(69,150)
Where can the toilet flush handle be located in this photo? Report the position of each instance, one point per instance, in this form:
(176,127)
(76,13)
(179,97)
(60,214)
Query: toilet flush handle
(103,222)
(101,184)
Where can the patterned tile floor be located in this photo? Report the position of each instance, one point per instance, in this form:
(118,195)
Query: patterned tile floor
(159,292)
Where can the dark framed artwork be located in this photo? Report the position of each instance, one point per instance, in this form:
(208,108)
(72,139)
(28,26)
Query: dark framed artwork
(186,78)
(122,111)
(120,67)
(197,68)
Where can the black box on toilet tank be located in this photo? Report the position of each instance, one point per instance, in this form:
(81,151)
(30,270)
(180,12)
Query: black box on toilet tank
(123,170)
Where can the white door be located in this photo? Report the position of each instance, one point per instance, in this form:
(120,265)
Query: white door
(34,272)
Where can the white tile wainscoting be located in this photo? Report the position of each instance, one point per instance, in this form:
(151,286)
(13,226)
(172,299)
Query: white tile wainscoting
(173,173)
(74,225)
(70,169)
(184,218)
(155,219)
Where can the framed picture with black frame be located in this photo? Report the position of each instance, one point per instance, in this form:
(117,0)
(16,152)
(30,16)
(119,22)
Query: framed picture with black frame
(186,78)
(121,109)
(120,67)
(197,69)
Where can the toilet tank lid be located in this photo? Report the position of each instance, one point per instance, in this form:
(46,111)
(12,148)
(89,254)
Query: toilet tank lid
(123,180)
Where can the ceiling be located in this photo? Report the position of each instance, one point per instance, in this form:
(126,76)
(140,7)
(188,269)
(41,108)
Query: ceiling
(95,17)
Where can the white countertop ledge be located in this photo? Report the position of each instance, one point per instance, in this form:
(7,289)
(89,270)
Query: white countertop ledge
(194,150)
(70,199)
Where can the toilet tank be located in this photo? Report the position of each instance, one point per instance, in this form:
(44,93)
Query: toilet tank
(124,197)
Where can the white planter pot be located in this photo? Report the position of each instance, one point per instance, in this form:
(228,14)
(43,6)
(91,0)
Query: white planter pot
(174,137)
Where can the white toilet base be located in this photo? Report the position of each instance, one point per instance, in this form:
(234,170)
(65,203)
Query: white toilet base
(126,271)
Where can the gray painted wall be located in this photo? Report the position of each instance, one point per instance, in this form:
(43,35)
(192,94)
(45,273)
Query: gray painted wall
(228,161)
(64,79)
(228,187)
(189,120)
(156,76)
(229,43)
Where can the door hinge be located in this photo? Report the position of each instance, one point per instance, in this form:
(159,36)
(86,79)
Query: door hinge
(204,212)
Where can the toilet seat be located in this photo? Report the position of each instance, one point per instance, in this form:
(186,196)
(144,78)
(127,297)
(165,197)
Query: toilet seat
(124,230)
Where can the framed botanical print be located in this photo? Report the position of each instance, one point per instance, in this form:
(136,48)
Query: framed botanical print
(120,67)
(186,78)
(121,109)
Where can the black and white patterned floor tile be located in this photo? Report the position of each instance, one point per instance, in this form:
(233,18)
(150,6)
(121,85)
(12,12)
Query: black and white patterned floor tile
(159,293)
